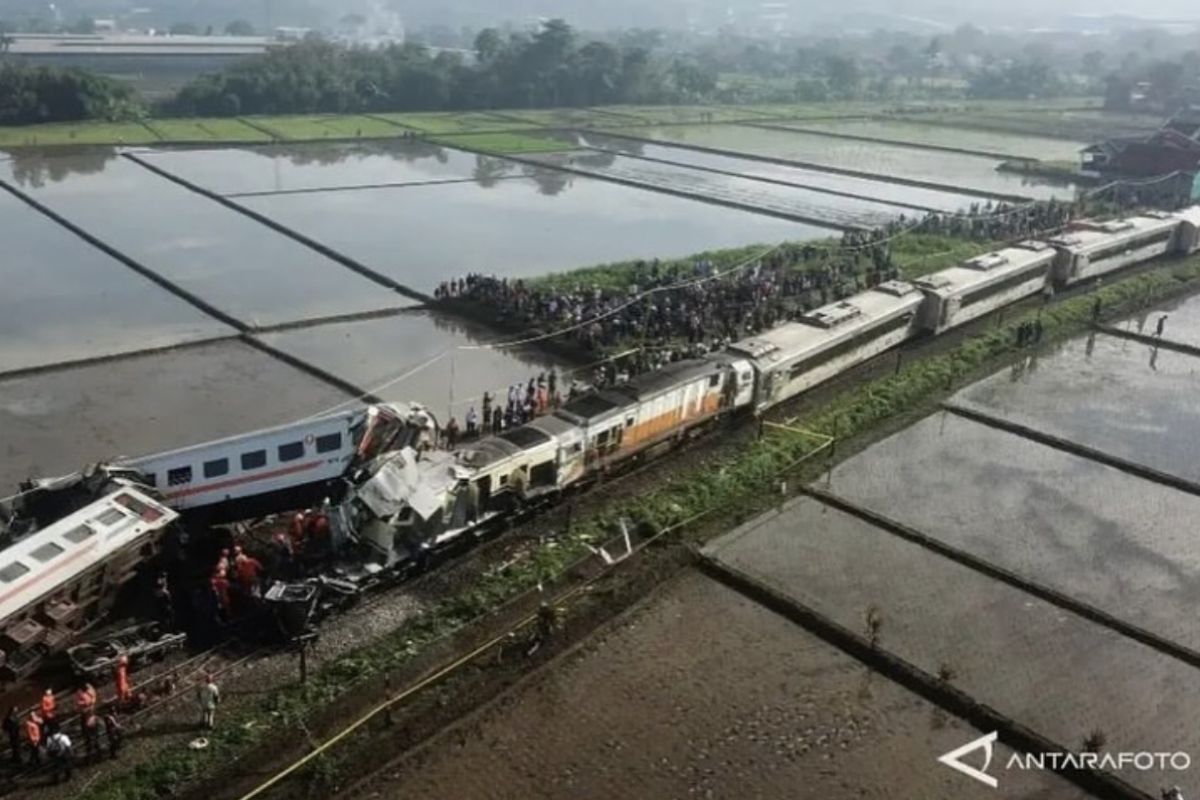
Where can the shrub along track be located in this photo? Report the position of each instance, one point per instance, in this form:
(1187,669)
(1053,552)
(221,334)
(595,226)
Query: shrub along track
(929,370)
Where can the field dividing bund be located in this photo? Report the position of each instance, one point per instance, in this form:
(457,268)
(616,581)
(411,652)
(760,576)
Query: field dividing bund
(1074,448)
(1152,341)
(142,270)
(346,261)
(921,184)
(775,181)
(986,568)
(359,187)
(914,678)
(687,195)
(966,151)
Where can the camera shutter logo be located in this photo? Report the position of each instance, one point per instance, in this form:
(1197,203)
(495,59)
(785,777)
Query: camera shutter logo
(983,743)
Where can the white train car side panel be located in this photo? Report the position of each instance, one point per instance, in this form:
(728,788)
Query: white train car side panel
(1095,249)
(47,588)
(980,285)
(796,356)
(253,464)
(1187,238)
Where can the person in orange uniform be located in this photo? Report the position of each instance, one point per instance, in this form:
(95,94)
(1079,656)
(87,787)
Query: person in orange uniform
(220,587)
(49,705)
(124,690)
(247,569)
(33,738)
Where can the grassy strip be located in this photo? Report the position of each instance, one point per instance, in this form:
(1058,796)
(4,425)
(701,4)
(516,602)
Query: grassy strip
(736,489)
(206,130)
(504,143)
(83,133)
(466,122)
(915,254)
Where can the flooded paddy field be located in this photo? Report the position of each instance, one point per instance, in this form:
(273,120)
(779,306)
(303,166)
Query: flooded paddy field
(1116,542)
(952,170)
(698,692)
(1182,324)
(1114,395)
(757,195)
(1078,125)
(301,167)
(1033,662)
(417,356)
(64,300)
(54,423)
(421,235)
(1013,145)
(880,190)
(244,269)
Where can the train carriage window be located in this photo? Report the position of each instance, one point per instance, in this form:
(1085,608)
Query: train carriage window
(291,452)
(77,535)
(13,571)
(216,468)
(147,513)
(254,460)
(46,552)
(714,379)
(179,476)
(109,518)
(329,443)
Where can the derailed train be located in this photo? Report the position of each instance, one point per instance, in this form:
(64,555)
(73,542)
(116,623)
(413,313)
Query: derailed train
(393,499)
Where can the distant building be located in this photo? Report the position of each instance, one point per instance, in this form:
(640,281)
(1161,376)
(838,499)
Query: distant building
(155,65)
(1173,148)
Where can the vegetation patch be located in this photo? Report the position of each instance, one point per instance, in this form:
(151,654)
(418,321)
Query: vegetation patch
(315,128)
(461,122)
(918,254)
(575,118)
(206,130)
(82,133)
(505,143)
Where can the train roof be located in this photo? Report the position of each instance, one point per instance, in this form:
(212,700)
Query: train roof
(42,562)
(1189,215)
(666,378)
(340,416)
(1088,236)
(830,324)
(987,268)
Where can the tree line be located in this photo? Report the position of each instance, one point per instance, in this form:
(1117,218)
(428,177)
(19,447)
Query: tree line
(31,94)
(547,68)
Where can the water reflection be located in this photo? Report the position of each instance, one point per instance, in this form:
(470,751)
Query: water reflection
(35,168)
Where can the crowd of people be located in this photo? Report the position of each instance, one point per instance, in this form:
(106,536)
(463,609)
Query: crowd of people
(700,305)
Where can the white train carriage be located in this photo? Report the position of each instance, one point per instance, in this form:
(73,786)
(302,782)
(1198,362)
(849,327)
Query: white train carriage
(57,582)
(796,356)
(1187,238)
(982,284)
(1091,249)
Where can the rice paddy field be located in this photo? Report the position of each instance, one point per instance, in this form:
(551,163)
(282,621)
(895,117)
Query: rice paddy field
(120,262)
(986,142)
(948,171)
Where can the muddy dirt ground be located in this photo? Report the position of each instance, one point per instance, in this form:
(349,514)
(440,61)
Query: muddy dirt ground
(698,692)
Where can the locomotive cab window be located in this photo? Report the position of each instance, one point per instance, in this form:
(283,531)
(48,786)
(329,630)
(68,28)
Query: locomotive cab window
(291,452)
(714,380)
(13,571)
(179,476)
(329,443)
(254,460)
(216,468)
